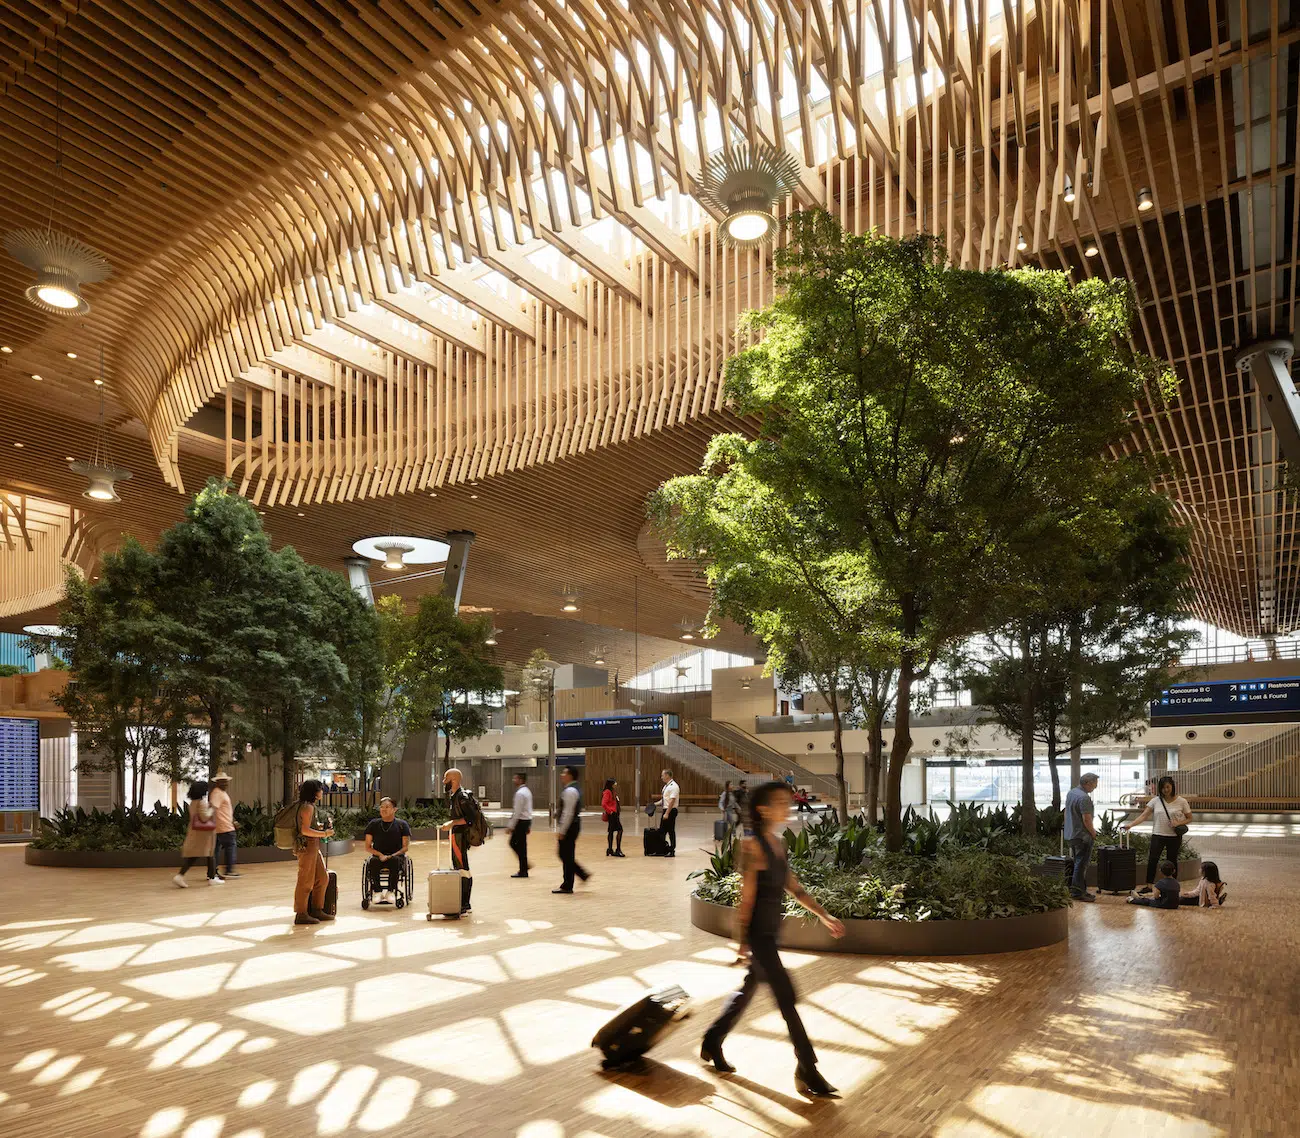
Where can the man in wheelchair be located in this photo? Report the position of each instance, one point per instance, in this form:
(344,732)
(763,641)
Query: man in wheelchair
(388,839)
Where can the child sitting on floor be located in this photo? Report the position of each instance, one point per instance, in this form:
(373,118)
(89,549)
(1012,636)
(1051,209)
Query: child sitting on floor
(1166,896)
(1210,892)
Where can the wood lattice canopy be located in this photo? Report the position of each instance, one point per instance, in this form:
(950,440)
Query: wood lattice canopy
(445,266)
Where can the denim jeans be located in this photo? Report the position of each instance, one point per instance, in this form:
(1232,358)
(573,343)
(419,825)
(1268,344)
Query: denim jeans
(1081,850)
(225,850)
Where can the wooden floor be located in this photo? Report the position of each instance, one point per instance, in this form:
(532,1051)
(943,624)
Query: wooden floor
(131,1008)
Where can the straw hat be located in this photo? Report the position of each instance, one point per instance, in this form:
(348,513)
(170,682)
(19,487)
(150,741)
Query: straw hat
(221,776)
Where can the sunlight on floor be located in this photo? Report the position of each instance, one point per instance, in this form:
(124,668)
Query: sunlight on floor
(1002,1111)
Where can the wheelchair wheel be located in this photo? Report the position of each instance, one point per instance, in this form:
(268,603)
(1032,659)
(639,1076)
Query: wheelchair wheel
(401,901)
(365,902)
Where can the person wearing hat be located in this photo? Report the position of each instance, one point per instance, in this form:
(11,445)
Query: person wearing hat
(224,814)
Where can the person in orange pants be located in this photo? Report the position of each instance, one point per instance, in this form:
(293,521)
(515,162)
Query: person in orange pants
(309,891)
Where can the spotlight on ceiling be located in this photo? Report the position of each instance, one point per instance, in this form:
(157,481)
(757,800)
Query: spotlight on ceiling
(1090,247)
(1021,243)
(570,603)
(1068,195)
(745,184)
(394,554)
(1145,200)
(492,637)
(62,264)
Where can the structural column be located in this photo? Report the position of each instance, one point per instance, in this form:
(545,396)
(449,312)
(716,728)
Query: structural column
(453,578)
(359,578)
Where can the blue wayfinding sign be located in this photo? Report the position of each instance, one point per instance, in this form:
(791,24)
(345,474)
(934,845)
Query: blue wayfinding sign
(610,731)
(1229,701)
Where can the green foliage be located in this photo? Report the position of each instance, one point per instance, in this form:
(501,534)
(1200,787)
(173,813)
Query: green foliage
(132,828)
(11,670)
(441,669)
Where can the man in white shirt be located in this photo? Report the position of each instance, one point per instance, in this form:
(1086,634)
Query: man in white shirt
(570,826)
(669,798)
(521,822)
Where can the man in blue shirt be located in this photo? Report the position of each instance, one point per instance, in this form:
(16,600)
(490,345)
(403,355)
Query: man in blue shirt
(1080,833)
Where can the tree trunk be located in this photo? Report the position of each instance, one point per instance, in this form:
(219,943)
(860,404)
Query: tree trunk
(1028,814)
(1052,766)
(216,728)
(839,751)
(898,755)
(286,777)
(1076,695)
(875,745)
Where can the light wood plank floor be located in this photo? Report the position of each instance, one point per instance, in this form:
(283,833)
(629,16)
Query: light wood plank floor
(131,1008)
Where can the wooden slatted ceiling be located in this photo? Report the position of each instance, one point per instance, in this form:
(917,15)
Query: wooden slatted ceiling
(330,167)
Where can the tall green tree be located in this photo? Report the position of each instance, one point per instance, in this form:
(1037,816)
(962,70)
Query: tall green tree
(363,720)
(223,625)
(131,719)
(442,671)
(932,422)
(1108,644)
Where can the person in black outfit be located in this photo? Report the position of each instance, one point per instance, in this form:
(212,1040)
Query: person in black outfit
(463,812)
(570,826)
(389,838)
(766,881)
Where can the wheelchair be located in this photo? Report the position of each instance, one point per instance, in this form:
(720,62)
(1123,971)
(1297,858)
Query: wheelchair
(404,892)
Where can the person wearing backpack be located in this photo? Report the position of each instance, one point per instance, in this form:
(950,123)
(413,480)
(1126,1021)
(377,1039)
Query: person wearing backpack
(313,877)
(465,823)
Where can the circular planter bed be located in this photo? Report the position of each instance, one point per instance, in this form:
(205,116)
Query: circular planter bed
(158,859)
(903,938)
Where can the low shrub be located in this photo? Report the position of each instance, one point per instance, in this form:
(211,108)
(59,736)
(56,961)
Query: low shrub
(127,828)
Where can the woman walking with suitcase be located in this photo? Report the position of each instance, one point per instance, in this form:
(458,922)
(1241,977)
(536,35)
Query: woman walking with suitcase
(313,877)
(611,809)
(767,878)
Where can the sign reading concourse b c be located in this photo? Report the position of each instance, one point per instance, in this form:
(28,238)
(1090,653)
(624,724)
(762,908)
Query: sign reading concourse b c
(1229,701)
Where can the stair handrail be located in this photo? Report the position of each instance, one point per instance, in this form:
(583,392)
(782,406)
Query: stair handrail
(1235,763)
(761,755)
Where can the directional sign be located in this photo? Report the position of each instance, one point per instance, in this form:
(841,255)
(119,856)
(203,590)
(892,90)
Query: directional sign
(1229,701)
(610,731)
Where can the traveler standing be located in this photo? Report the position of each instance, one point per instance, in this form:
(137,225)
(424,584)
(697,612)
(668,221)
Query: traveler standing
(200,836)
(668,800)
(570,826)
(219,800)
(521,822)
(309,890)
(610,810)
(464,810)
(727,805)
(767,878)
(1080,832)
(1170,814)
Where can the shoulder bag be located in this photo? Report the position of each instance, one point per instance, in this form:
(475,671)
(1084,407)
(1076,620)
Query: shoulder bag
(1180,829)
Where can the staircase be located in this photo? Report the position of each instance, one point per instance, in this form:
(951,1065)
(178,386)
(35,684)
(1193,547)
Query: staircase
(1266,771)
(754,758)
(683,753)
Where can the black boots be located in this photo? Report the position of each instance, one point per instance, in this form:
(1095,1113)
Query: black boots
(466,888)
(711,1052)
(809,1081)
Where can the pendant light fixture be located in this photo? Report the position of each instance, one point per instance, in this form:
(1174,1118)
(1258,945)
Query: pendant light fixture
(746,183)
(101,472)
(394,554)
(61,262)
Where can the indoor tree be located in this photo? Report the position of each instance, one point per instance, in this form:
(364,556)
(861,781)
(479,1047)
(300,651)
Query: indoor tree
(931,422)
(130,718)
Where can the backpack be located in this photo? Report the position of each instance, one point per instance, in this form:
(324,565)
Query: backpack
(286,825)
(479,828)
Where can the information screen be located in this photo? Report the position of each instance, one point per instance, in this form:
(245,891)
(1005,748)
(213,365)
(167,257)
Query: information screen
(613,731)
(1229,701)
(20,764)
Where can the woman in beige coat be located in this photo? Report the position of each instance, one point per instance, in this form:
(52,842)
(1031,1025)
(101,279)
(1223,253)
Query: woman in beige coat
(200,837)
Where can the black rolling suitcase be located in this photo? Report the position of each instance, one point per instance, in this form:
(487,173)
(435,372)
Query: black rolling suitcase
(1117,868)
(1057,865)
(653,843)
(639,1026)
(331,904)
(720,830)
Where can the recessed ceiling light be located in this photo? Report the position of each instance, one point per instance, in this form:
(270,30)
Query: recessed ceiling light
(301,514)
(6,349)
(72,355)
(69,458)
(19,445)
(473,495)
(99,383)
(433,494)
(37,378)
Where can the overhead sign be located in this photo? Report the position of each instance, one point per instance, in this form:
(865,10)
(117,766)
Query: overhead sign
(1229,701)
(20,764)
(611,731)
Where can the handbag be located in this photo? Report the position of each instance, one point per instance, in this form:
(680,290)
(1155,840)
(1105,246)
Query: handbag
(1181,828)
(199,823)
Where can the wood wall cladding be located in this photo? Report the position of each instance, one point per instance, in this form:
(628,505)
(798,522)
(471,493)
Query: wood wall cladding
(620,763)
(367,252)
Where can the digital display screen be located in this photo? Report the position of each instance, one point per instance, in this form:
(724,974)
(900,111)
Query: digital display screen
(611,731)
(20,764)
(1229,701)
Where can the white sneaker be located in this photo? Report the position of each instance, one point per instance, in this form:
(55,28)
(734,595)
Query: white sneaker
(386,897)
(180,882)
(216,881)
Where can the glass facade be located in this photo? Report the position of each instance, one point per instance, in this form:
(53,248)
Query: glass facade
(998,780)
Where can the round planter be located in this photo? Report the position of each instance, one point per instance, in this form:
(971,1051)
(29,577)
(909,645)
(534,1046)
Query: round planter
(903,938)
(158,859)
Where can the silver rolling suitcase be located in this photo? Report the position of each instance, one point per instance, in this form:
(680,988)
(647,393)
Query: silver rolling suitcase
(444,887)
